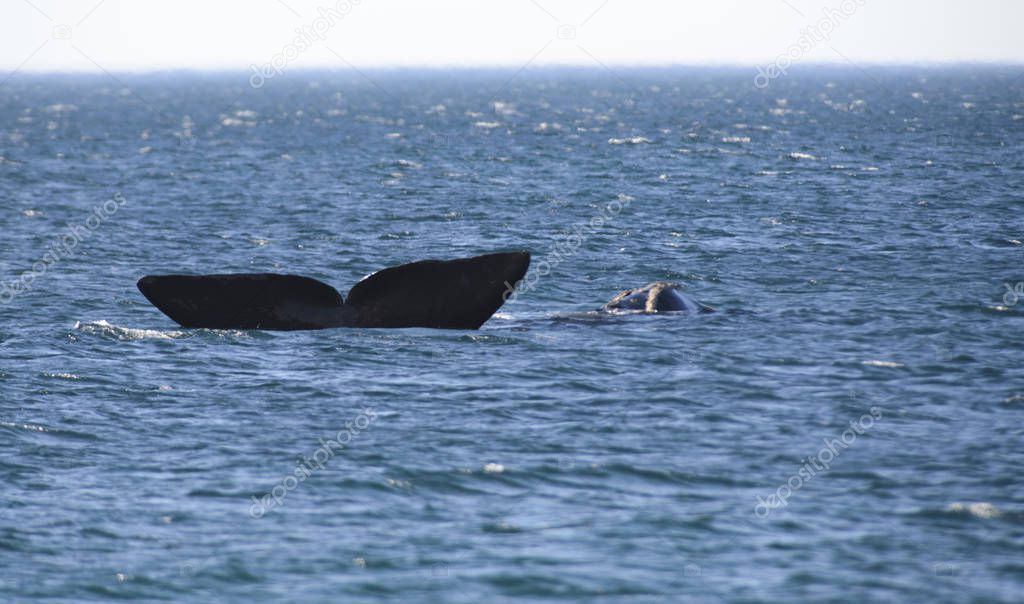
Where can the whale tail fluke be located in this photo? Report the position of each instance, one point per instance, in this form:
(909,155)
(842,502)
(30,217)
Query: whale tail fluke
(245,301)
(452,294)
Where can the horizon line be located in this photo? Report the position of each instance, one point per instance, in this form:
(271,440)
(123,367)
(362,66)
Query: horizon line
(726,64)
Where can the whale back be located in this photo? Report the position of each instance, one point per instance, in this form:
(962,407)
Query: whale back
(654,298)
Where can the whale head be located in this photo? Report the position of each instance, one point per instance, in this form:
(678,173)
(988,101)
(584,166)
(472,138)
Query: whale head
(655,298)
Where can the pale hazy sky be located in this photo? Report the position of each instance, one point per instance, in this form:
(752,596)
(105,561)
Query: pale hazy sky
(117,35)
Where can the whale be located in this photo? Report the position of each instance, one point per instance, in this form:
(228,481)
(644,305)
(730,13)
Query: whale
(442,294)
(653,298)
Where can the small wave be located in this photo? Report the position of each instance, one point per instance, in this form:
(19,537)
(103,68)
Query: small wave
(105,329)
(636,140)
(501,528)
(57,432)
(1000,308)
(978,510)
(61,108)
(62,376)
(487,125)
(798,156)
(232,122)
(30,427)
(890,364)
(396,235)
(503,108)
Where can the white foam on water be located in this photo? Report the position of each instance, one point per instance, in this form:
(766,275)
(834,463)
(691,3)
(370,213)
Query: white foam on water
(636,140)
(61,108)
(32,427)
(890,364)
(978,510)
(103,328)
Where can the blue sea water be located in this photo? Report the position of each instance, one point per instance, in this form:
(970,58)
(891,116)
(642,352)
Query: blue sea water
(859,231)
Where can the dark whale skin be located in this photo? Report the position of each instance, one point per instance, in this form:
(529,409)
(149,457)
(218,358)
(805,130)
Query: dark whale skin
(657,297)
(442,294)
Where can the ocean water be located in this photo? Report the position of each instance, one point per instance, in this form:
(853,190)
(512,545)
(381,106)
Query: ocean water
(848,426)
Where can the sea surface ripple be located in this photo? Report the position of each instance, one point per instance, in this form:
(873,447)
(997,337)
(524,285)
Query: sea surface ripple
(860,233)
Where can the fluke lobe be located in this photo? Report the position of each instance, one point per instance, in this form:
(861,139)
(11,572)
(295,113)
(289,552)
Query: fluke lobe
(443,294)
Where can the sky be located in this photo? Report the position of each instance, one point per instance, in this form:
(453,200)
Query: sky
(277,35)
